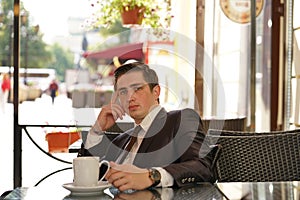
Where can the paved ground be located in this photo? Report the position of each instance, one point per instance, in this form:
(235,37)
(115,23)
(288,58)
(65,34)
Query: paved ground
(6,138)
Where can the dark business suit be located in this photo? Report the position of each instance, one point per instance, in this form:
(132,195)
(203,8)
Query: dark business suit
(173,142)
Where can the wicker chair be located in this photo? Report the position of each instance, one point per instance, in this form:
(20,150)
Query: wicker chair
(257,157)
(233,124)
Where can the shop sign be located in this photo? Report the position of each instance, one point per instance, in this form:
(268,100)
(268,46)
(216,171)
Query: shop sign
(239,10)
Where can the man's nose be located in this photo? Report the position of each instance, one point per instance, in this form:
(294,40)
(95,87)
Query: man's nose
(130,95)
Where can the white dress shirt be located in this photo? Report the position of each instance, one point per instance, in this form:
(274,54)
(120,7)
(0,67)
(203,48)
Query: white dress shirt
(94,138)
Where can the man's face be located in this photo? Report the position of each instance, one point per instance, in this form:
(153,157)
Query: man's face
(135,95)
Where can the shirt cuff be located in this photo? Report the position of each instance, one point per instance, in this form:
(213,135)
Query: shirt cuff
(94,137)
(166,180)
(96,129)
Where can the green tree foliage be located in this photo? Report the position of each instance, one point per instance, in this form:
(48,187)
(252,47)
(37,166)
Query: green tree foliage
(33,50)
(116,28)
(63,59)
(6,24)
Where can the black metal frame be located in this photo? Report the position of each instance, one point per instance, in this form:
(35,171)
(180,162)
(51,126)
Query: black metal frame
(40,148)
(17,128)
(60,170)
(18,179)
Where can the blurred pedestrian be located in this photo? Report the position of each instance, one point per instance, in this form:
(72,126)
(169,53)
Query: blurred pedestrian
(53,90)
(5,87)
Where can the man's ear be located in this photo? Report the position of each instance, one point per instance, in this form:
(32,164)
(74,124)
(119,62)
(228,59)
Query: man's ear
(156,91)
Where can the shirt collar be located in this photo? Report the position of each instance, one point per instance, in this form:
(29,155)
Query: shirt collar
(147,121)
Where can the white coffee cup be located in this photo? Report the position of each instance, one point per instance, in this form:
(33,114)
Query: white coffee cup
(86,171)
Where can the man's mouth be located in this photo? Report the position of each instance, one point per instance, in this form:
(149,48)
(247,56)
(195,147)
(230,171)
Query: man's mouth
(133,107)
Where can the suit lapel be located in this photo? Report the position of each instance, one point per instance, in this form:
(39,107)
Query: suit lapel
(153,132)
(118,144)
(157,139)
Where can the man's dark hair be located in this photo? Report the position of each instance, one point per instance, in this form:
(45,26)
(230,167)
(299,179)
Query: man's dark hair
(149,74)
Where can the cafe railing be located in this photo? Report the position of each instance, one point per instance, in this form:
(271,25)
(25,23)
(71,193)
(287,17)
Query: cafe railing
(48,153)
(118,127)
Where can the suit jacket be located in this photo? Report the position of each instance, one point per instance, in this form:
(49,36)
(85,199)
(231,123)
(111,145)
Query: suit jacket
(174,141)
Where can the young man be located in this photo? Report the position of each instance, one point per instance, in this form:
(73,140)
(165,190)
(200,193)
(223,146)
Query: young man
(169,149)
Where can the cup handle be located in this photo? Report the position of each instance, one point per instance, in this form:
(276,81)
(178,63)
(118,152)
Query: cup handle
(108,166)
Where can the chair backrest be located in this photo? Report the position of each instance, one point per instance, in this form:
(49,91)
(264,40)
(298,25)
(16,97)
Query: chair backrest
(233,124)
(257,157)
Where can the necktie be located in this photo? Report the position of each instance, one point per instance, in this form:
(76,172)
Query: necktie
(132,141)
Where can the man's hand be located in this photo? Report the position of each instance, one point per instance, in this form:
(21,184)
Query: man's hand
(127,176)
(110,113)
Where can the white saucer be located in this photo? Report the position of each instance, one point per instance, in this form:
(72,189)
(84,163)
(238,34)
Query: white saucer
(86,191)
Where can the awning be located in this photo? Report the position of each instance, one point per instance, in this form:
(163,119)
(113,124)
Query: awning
(126,51)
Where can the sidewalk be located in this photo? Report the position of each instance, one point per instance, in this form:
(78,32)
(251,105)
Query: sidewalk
(6,149)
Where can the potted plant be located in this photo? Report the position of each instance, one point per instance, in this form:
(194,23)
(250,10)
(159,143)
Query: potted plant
(149,13)
(60,141)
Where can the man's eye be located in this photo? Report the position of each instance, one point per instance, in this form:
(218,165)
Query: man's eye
(137,88)
(122,92)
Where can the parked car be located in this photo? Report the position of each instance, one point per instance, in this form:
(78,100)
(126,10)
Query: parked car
(22,93)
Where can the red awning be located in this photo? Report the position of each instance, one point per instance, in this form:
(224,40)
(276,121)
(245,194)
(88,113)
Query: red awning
(126,51)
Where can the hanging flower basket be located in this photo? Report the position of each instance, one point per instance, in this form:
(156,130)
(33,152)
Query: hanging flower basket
(145,13)
(131,17)
(59,142)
